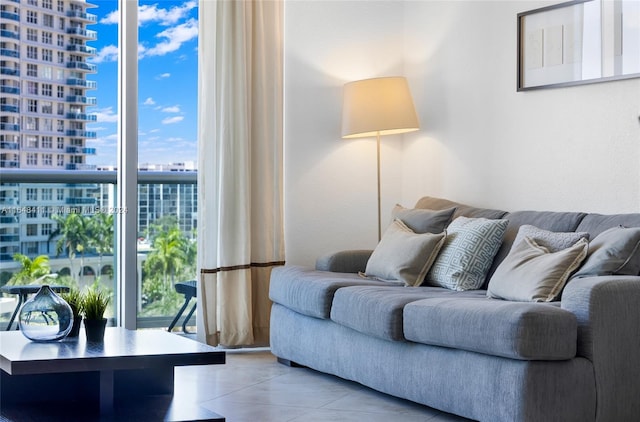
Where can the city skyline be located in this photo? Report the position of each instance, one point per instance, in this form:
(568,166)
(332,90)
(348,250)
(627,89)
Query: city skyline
(167,82)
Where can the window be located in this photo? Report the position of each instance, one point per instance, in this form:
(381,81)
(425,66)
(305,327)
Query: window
(47,160)
(47,228)
(31,247)
(32,17)
(32,106)
(60,126)
(60,109)
(60,163)
(47,143)
(60,57)
(32,88)
(32,2)
(47,55)
(46,4)
(47,107)
(47,125)
(47,37)
(32,34)
(32,229)
(60,92)
(32,123)
(60,142)
(32,70)
(60,195)
(46,72)
(32,159)
(32,52)
(47,21)
(46,89)
(46,213)
(31,194)
(31,141)
(60,6)
(61,24)
(60,40)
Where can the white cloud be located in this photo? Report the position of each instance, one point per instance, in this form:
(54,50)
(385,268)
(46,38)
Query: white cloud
(149,102)
(172,109)
(170,120)
(108,53)
(166,17)
(151,13)
(174,38)
(106,115)
(163,76)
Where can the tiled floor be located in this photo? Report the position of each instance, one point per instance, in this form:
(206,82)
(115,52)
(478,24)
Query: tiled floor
(254,387)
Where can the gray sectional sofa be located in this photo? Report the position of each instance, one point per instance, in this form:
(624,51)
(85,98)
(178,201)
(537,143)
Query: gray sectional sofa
(575,359)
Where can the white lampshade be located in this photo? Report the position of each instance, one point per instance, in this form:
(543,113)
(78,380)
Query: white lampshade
(378,106)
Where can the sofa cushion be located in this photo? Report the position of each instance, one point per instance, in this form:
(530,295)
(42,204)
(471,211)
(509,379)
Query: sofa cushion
(310,292)
(531,273)
(597,223)
(462,210)
(615,251)
(526,331)
(467,253)
(553,241)
(423,220)
(404,256)
(377,311)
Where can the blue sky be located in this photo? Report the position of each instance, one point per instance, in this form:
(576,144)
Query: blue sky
(167,82)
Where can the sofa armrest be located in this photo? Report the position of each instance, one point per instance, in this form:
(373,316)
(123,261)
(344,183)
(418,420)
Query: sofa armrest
(351,261)
(608,312)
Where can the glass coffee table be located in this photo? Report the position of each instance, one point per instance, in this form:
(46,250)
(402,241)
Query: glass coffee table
(130,366)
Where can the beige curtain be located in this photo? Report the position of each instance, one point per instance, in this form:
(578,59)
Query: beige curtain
(240,183)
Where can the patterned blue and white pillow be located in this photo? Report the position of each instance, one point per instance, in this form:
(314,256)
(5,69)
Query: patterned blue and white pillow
(467,253)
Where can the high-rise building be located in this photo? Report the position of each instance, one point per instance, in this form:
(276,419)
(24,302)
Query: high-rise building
(43,114)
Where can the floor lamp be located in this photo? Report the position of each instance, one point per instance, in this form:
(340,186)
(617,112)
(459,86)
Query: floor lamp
(377,107)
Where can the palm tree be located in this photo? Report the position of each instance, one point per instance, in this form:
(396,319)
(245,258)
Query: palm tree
(31,269)
(101,235)
(168,255)
(74,237)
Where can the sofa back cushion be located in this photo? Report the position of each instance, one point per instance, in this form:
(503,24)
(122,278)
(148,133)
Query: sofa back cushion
(462,210)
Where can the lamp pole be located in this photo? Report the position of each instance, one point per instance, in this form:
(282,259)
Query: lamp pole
(379,200)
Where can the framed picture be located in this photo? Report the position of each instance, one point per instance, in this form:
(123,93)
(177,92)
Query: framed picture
(578,42)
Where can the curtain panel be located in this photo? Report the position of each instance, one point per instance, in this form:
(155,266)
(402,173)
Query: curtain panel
(240,168)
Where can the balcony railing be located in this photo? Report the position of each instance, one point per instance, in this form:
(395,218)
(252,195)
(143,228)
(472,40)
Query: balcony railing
(82,116)
(9,15)
(9,108)
(82,82)
(9,145)
(7,52)
(82,66)
(9,71)
(79,99)
(81,49)
(10,126)
(81,133)
(80,167)
(9,34)
(78,14)
(10,90)
(82,32)
(87,192)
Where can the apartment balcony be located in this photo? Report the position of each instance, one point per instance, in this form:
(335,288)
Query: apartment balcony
(12,146)
(83,49)
(76,166)
(84,16)
(7,52)
(10,126)
(80,150)
(5,33)
(8,220)
(82,66)
(9,108)
(85,33)
(9,238)
(81,133)
(5,70)
(10,16)
(9,90)
(82,117)
(82,82)
(79,99)
(80,201)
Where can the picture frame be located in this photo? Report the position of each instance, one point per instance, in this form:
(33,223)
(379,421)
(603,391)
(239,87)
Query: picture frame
(578,42)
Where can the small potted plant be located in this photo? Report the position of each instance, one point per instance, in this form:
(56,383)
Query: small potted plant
(74,299)
(94,304)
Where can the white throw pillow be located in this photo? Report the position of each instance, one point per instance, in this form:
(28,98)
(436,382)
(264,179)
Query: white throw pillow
(403,255)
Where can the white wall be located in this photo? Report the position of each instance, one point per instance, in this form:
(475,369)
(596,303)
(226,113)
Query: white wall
(481,142)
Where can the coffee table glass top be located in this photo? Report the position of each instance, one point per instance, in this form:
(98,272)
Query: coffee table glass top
(122,349)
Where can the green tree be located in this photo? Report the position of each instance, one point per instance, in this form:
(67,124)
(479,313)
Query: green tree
(73,231)
(30,269)
(168,254)
(101,236)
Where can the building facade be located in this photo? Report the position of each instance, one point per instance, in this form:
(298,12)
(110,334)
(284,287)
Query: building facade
(45,86)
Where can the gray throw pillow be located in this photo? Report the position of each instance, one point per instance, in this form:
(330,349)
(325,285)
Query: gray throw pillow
(403,255)
(532,273)
(613,252)
(422,220)
(467,254)
(554,241)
